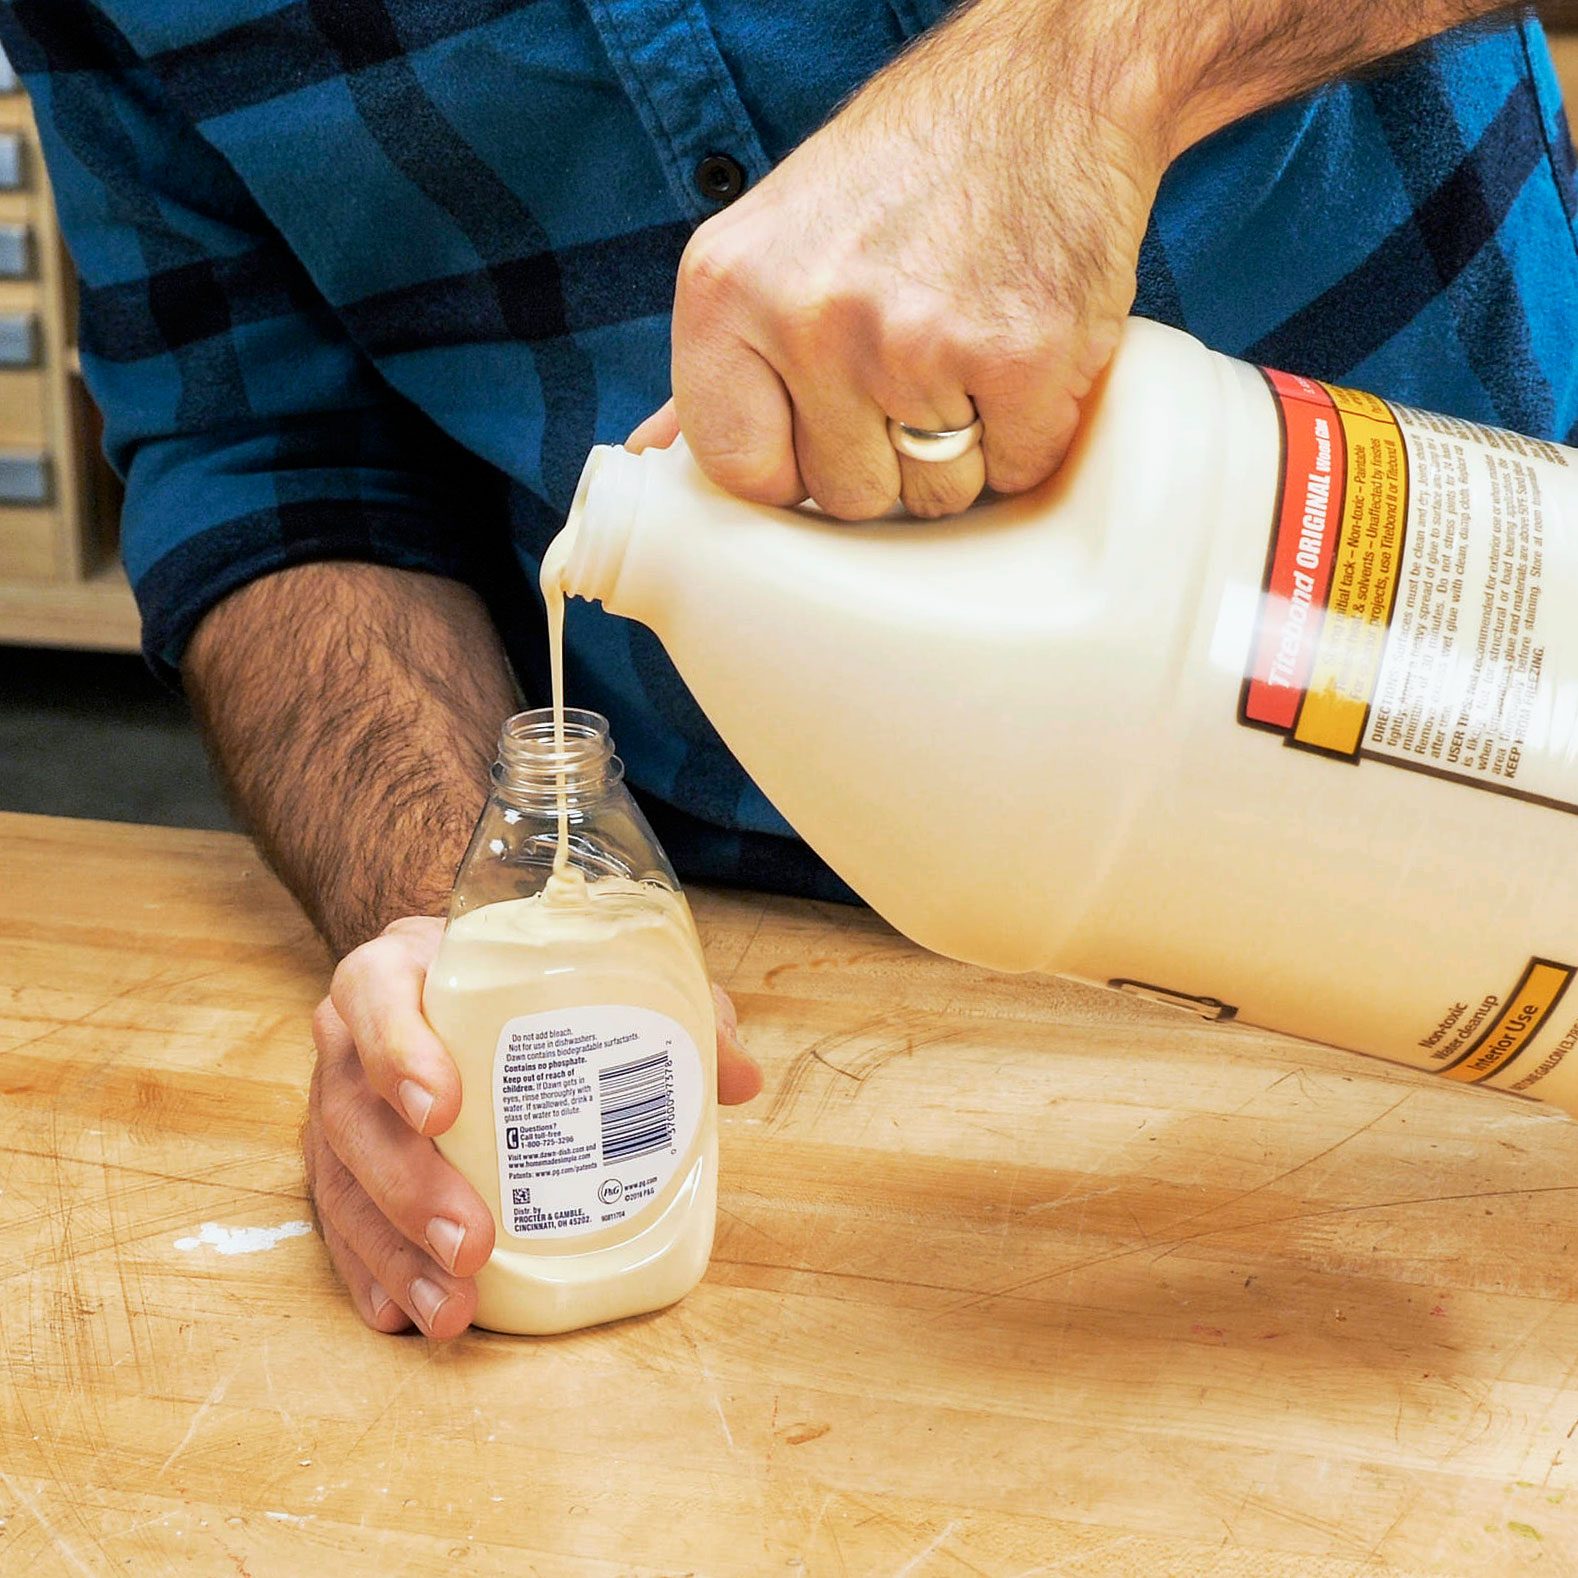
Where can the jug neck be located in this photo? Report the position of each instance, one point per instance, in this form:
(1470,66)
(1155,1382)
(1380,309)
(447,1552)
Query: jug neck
(588,554)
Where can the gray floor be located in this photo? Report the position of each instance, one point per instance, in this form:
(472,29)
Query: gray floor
(93,734)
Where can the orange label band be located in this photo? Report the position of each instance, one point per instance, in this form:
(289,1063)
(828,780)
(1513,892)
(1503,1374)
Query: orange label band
(1403,616)
(1332,576)
(1527,1008)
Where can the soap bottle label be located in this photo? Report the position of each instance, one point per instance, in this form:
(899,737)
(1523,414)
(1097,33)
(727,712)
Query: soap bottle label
(595,1108)
(1403,618)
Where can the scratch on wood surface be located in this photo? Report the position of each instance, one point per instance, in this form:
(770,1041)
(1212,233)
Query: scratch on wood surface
(1374,1552)
(756,930)
(876,1041)
(1167,1247)
(1069,1194)
(1330,1528)
(709,1377)
(751,1227)
(42,1519)
(913,1564)
(79,1019)
(816,1522)
(268,1380)
(430,1353)
(1072,1564)
(1309,1161)
(728,1434)
(191,1429)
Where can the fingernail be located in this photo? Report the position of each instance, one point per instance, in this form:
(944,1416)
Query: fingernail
(418,1103)
(377,1298)
(444,1238)
(429,1299)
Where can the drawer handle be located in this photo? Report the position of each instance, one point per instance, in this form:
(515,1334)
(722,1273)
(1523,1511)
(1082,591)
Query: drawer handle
(13,162)
(19,339)
(16,251)
(24,477)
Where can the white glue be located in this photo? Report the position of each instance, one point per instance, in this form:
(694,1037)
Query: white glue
(583,1029)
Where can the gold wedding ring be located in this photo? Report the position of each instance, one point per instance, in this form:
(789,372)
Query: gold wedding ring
(933,444)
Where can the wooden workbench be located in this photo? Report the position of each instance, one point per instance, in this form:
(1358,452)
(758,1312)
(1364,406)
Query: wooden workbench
(1011,1278)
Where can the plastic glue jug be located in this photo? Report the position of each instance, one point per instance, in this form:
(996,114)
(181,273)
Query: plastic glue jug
(569,987)
(1265,705)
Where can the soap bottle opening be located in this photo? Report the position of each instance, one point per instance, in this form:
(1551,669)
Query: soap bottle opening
(529,763)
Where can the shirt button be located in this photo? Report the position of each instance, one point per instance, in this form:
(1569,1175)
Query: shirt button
(720,178)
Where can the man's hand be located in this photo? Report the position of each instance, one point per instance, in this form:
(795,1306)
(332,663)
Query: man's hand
(964,233)
(353,710)
(405,1230)
(961,238)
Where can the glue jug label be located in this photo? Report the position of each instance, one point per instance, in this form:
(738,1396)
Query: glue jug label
(1477,1040)
(594,1108)
(1403,618)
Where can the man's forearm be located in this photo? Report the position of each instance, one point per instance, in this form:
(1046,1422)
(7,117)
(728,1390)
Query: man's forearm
(1171,72)
(1229,58)
(353,711)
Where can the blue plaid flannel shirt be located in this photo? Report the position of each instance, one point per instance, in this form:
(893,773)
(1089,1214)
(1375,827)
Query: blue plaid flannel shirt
(366,279)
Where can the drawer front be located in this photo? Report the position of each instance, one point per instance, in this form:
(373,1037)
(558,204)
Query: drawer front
(24,409)
(30,544)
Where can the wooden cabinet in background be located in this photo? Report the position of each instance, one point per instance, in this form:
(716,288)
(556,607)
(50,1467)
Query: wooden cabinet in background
(1561,26)
(60,582)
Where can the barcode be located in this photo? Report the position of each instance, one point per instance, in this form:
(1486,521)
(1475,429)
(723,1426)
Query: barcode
(637,1107)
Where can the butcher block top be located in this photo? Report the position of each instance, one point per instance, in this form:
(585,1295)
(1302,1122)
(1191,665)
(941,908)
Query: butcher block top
(1012,1277)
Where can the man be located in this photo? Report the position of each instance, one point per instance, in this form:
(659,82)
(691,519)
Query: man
(364,279)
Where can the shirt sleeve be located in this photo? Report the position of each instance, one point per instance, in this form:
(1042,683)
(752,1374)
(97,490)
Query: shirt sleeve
(250,432)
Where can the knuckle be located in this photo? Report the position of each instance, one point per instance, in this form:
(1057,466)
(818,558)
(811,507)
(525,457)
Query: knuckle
(335,1195)
(856,486)
(1017,476)
(376,1173)
(823,308)
(930,504)
(714,270)
(739,458)
(849,482)
(740,467)
(1020,473)
(326,1025)
(917,345)
(345,1113)
(929,496)
(1017,344)
(356,974)
(1018,462)
(853,501)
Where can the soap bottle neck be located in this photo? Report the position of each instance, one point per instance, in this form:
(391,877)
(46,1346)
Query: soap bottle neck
(530,765)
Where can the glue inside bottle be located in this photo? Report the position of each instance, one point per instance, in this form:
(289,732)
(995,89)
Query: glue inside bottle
(571,991)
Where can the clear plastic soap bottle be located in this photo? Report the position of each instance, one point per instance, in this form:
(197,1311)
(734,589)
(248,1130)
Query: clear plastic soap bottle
(574,999)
